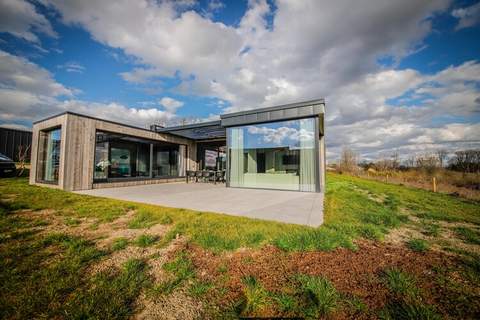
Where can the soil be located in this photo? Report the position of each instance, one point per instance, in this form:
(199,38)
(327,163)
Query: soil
(357,273)
(353,273)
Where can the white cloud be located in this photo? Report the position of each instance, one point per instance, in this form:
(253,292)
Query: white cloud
(28,93)
(468,17)
(281,135)
(21,74)
(72,66)
(20,18)
(170,104)
(302,50)
(16,126)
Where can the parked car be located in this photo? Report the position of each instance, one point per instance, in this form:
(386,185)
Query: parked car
(7,166)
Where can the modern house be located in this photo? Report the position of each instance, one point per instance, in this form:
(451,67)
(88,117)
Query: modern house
(280,147)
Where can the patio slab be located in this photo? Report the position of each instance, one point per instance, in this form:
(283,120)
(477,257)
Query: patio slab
(284,206)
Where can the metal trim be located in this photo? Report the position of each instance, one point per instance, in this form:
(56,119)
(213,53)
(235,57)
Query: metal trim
(275,108)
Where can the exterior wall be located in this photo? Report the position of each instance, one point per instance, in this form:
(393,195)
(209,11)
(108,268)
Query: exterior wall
(60,121)
(135,183)
(78,149)
(12,139)
(321,163)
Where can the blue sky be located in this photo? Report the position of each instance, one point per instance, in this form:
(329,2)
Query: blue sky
(406,71)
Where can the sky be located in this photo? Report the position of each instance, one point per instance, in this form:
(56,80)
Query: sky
(398,76)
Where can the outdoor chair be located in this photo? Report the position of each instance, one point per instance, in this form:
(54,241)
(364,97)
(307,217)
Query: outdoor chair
(191,174)
(206,175)
(198,175)
(219,176)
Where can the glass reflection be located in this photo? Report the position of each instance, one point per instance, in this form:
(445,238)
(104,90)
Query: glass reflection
(279,155)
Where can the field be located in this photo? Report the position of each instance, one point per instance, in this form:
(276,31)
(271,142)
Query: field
(385,251)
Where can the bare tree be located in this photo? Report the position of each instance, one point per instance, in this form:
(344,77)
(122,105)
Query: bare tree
(466,161)
(348,160)
(23,151)
(395,162)
(442,155)
(428,162)
(410,162)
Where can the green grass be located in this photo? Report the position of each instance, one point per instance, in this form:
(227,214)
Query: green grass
(145,240)
(198,288)
(350,213)
(320,292)
(256,297)
(181,269)
(468,235)
(286,302)
(110,296)
(54,266)
(418,245)
(402,310)
(400,283)
(44,277)
(119,244)
(145,219)
(406,301)
(430,228)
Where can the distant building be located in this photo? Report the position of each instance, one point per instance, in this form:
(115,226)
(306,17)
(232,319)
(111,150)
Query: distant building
(12,139)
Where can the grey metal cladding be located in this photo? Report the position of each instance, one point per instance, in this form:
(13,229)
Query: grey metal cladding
(291,111)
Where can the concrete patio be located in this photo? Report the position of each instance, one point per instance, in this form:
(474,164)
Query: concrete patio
(283,206)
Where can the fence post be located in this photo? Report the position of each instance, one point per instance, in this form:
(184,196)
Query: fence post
(434,181)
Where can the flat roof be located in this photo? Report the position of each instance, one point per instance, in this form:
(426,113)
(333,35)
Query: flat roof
(217,129)
(198,131)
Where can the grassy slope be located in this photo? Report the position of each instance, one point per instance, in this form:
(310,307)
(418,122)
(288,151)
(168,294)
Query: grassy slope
(354,208)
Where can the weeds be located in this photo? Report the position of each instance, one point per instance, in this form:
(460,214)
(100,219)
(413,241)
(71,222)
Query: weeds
(145,240)
(119,244)
(468,235)
(418,245)
(400,283)
(181,269)
(406,302)
(320,292)
(256,297)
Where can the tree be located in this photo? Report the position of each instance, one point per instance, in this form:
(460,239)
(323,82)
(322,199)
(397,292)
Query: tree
(348,160)
(466,161)
(442,155)
(428,162)
(22,158)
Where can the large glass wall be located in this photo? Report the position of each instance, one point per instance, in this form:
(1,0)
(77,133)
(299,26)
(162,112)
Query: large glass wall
(119,156)
(49,155)
(278,155)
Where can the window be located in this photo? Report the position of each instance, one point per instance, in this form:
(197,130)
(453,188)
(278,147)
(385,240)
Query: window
(49,155)
(277,155)
(120,156)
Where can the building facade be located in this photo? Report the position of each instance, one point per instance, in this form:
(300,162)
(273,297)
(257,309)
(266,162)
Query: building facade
(13,140)
(280,147)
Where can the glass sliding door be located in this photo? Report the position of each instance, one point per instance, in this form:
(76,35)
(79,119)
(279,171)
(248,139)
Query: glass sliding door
(49,155)
(119,156)
(277,155)
(122,161)
(169,160)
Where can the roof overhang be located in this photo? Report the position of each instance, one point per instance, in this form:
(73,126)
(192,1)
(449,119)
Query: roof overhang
(312,108)
(198,131)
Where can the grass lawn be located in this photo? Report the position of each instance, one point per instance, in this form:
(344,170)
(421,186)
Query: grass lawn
(385,251)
